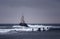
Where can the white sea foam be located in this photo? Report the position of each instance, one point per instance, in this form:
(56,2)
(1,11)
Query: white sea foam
(29,28)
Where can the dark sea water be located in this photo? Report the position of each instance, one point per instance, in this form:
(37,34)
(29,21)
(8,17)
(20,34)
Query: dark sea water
(30,35)
(31,24)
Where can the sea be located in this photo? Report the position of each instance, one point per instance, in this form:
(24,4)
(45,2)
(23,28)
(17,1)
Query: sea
(30,35)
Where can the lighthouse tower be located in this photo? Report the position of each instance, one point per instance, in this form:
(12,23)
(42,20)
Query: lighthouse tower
(22,23)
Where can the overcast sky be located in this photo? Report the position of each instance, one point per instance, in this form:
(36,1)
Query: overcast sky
(35,11)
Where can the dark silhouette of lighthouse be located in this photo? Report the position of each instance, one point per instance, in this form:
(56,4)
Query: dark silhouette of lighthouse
(22,23)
